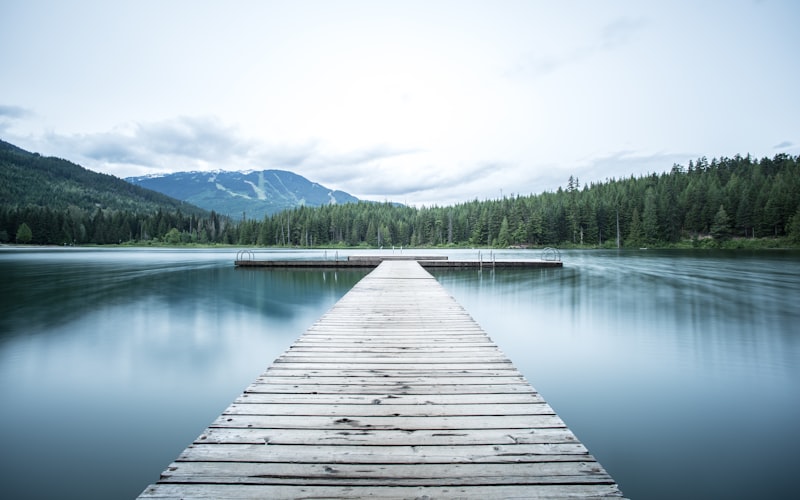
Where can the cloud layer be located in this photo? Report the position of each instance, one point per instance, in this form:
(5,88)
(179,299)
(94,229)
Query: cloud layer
(420,102)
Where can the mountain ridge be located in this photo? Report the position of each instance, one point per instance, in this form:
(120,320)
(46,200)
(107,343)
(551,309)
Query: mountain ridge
(251,194)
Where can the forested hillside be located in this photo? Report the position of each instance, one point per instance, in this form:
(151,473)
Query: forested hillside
(706,202)
(52,201)
(48,200)
(31,179)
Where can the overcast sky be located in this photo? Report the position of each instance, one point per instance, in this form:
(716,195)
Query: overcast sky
(417,102)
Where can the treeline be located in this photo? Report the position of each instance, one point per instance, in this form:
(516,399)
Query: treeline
(74,226)
(706,203)
(708,200)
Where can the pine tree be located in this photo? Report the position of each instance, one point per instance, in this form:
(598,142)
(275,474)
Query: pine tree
(504,236)
(24,234)
(636,232)
(650,217)
(721,227)
(793,228)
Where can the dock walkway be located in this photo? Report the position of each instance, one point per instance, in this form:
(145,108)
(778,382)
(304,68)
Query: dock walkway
(248,258)
(396,392)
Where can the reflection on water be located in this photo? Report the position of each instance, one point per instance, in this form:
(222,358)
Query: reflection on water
(111,362)
(678,370)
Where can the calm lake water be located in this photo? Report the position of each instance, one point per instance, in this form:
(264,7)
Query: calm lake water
(679,370)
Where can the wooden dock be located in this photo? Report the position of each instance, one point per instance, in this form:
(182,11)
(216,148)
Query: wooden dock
(371,261)
(396,392)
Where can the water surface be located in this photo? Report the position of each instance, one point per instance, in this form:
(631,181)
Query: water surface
(679,370)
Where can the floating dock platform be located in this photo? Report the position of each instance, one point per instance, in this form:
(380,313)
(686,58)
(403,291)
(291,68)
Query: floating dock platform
(371,261)
(396,392)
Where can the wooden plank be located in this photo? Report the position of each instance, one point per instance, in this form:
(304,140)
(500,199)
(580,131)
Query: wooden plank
(370,339)
(323,347)
(391,422)
(377,409)
(394,393)
(301,387)
(383,398)
(427,409)
(288,492)
(387,474)
(378,454)
(410,358)
(414,371)
(389,437)
(409,384)
(429,355)
(394,365)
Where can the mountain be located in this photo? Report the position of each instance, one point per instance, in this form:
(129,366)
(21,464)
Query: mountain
(254,194)
(30,179)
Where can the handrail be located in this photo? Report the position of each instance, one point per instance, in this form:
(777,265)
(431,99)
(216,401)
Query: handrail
(245,255)
(551,254)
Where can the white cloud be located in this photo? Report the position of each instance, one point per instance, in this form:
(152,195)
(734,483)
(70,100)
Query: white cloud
(425,102)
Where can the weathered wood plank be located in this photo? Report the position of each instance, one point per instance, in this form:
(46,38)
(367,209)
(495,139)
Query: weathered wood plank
(358,361)
(424,350)
(428,409)
(378,454)
(431,356)
(309,388)
(251,397)
(391,422)
(399,381)
(388,437)
(288,370)
(403,337)
(394,393)
(388,474)
(395,365)
(388,377)
(287,492)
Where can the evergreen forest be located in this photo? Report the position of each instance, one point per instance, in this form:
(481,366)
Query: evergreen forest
(721,202)
(707,203)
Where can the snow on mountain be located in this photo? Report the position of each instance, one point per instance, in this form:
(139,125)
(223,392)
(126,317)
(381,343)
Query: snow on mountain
(250,194)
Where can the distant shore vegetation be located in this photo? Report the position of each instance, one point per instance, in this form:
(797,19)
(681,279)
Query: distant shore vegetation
(737,202)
